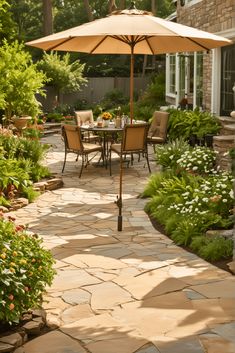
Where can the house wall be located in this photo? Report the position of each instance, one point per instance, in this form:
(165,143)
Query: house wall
(213,16)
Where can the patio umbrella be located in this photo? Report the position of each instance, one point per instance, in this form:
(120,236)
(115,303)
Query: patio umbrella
(130,31)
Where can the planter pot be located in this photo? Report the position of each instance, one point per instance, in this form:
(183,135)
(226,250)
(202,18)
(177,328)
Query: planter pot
(208,140)
(21,123)
(193,140)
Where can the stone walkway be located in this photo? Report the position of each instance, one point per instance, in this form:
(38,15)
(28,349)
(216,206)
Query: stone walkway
(122,292)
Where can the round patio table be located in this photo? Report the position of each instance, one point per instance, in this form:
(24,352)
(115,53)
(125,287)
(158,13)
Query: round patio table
(105,132)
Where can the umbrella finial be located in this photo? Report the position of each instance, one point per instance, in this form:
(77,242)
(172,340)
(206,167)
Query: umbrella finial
(132,6)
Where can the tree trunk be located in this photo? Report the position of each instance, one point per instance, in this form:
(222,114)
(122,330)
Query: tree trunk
(145,63)
(47,17)
(112,6)
(122,4)
(153,7)
(88,10)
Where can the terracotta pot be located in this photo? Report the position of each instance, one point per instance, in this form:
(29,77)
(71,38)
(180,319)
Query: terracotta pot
(21,123)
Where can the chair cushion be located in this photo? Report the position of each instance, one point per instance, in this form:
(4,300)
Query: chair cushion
(89,147)
(153,139)
(116,147)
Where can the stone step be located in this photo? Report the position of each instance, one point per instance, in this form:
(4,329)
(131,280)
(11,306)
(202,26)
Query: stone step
(51,126)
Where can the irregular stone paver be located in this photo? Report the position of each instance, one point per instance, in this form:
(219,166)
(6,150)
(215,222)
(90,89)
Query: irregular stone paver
(53,342)
(187,345)
(76,296)
(148,349)
(70,279)
(76,312)
(122,292)
(114,295)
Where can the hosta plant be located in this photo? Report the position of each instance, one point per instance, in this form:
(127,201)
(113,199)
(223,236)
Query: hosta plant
(25,270)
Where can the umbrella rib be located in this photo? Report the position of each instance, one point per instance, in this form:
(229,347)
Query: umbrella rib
(147,40)
(98,44)
(195,42)
(62,42)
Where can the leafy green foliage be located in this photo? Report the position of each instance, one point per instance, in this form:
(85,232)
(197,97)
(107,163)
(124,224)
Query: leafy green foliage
(19,81)
(168,154)
(25,270)
(151,99)
(184,123)
(20,164)
(188,205)
(63,75)
(185,231)
(7,25)
(113,99)
(212,248)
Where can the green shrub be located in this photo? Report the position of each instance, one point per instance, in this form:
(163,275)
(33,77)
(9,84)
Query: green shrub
(54,117)
(113,99)
(25,270)
(154,183)
(168,154)
(184,123)
(185,230)
(212,249)
(188,205)
(16,148)
(154,95)
(20,165)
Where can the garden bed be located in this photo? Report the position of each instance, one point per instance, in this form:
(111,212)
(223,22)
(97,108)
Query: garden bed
(222,264)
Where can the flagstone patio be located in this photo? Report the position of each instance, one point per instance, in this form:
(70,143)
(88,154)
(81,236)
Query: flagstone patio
(122,292)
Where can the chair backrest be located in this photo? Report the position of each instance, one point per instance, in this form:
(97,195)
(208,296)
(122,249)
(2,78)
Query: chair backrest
(72,137)
(158,127)
(135,137)
(83,116)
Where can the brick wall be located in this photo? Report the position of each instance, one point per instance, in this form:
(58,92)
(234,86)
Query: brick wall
(212,16)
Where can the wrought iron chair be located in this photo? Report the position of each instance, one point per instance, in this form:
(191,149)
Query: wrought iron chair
(86,117)
(73,143)
(158,129)
(134,141)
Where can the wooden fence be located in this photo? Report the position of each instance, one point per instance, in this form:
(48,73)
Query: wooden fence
(94,91)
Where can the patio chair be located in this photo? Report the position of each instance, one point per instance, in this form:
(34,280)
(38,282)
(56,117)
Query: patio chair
(158,129)
(134,141)
(83,117)
(73,143)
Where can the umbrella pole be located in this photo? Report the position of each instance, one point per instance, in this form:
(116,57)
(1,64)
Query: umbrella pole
(119,199)
(132,83)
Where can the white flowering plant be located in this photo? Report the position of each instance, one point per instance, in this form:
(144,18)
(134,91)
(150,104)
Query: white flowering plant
(188,205)
(168,154)
(200,160)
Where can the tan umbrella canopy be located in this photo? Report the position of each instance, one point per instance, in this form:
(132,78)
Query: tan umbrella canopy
(130,31)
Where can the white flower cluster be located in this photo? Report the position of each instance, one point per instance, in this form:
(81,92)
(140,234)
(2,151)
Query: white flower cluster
(200,159)
(216,190)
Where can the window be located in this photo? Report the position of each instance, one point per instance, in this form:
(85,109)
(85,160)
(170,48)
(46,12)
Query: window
(172,62)
(199,79)
(227,79)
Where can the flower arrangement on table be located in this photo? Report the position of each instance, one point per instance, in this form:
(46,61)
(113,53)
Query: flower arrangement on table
(106,116)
